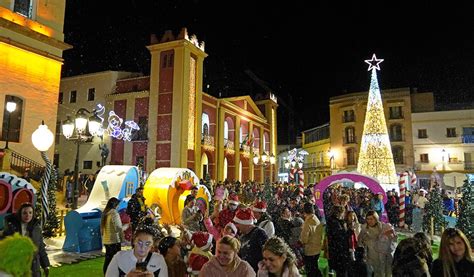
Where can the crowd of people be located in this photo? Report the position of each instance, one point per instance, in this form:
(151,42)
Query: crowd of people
(265,230)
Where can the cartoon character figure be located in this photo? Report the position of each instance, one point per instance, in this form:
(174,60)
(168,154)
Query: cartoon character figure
(115,122)
(127,131)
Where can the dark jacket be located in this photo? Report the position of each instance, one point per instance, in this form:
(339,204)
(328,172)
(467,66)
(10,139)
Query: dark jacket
(134,209)
(13,225)
(338,244)
(464,268)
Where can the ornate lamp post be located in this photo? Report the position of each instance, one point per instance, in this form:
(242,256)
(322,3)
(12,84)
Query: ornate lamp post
(11,107)
(264,160)
(42,139)
(77,131)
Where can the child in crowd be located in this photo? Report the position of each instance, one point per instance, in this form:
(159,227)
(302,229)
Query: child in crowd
(294,242)
(353,228)
(201,252)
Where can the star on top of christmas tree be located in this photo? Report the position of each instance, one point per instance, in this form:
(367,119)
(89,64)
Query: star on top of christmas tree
(373,63)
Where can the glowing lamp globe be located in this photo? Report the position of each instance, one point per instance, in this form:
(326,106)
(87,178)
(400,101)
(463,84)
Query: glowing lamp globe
(11,106)
(68,128)
(272,159)
(255,159)
(264,157)
(42,138)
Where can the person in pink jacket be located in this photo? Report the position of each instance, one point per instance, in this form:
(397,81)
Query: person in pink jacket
(230,229)
(226,262)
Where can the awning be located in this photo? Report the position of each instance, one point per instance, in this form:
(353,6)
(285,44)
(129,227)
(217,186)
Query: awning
(454,179)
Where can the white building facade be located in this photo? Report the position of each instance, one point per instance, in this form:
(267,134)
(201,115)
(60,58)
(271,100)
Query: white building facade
(443,140)
(84,91)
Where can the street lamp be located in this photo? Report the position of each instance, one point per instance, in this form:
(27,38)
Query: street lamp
(11,107)
(264,160)
(42,139)
(79,126)
(331,155)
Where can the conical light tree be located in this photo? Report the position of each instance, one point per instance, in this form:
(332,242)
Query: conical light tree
(375,155)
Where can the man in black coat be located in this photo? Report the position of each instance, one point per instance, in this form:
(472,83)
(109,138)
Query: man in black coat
(136,208)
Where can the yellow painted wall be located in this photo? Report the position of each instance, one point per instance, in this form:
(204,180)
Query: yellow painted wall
(35,79)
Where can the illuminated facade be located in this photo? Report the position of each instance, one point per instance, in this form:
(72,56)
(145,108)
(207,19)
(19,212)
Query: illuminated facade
(186,127)
(318,163)
(31,47)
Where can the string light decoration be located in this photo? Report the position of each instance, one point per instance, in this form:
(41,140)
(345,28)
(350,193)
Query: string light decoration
(376,158)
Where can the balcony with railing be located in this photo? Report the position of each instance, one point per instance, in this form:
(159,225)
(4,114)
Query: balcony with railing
(446,166)
(229,146)
(396,137)
(207,142)
(467,138)
(315,165)
(349,140)
(348,118)
(245,149)
(395,115)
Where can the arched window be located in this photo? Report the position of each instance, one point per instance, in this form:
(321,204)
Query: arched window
(349,135)
(241,134)
(396,132)
(350,156)
(205,124)
(226,130)
(11,126)
(225,168)
(205,165)
(397,152)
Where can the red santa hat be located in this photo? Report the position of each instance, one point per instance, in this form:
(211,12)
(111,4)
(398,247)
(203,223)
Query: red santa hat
(195,263)
(203,240)
(232,226)
(260,206)
(234,199)
(244,216)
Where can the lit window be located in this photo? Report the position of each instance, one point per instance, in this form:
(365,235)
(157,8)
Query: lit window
(24,7)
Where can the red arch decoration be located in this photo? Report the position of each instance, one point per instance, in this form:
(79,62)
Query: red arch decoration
(5,196)
(21,196)
(370,182)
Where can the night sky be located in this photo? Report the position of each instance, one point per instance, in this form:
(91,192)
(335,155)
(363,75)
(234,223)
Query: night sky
(304,52)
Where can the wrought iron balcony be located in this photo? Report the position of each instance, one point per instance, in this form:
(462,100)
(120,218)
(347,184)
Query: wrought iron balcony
(228,144)
(467,138)
(245,148)
(207,141)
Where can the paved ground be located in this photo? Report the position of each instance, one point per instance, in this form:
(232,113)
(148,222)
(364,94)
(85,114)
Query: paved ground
(57,256)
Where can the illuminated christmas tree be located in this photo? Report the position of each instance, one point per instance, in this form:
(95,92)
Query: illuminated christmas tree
(375,158)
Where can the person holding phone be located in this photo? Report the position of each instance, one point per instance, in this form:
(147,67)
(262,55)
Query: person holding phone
(139,261)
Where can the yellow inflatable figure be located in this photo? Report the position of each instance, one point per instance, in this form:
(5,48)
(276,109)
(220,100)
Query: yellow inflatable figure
(168,187)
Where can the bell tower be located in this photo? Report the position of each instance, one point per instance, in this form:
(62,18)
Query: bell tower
(175,100)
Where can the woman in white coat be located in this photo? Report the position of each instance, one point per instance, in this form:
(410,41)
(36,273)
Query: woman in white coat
(379,240)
